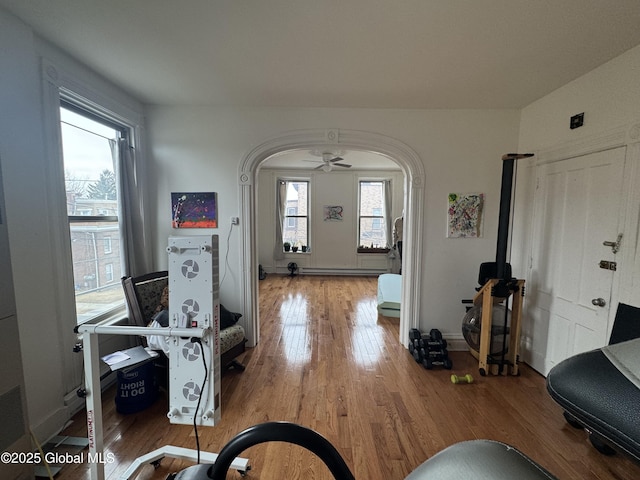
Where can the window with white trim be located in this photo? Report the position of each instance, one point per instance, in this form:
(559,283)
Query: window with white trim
(371,220)
(296,221)
(92,207)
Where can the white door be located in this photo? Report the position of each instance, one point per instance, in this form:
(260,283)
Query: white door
(578,208)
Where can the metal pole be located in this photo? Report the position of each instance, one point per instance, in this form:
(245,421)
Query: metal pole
(506,191)
(93,400)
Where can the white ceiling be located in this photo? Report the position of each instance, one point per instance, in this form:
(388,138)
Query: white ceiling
(338,53)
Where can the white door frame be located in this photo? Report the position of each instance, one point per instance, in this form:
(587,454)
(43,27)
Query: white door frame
(414,180)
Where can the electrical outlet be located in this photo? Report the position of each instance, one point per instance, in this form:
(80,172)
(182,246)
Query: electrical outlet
(235,220)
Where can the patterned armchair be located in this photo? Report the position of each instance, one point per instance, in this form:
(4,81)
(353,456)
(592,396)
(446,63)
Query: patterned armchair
(144,294)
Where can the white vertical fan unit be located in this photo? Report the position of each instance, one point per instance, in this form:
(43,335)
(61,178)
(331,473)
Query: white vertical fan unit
(194,373)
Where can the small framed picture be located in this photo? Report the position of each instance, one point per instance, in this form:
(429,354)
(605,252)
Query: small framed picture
(194,210)
(464,215)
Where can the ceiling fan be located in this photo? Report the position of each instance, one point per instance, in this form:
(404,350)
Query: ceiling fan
(329,160)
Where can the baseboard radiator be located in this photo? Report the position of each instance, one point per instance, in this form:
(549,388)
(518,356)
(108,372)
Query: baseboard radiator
(341,271)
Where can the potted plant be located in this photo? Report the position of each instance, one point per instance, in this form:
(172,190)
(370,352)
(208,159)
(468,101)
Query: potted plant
(287,246)
(304,248)
(294,248)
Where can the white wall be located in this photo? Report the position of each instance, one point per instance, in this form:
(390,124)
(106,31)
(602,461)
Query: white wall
(35,224)
(610,98)
(22,155)
(333,244)
(200,149)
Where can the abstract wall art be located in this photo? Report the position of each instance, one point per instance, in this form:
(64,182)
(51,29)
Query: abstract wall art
(464,215)
(194,210)
(333,213)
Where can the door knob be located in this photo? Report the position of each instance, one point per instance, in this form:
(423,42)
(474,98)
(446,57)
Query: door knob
(599,302)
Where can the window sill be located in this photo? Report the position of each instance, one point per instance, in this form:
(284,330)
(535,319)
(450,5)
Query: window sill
(117,316)
(373,250)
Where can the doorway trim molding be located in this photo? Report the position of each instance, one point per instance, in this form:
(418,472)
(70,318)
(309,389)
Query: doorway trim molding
(414,181)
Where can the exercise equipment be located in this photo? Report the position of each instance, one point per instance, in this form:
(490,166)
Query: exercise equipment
(429,350)
(599,390)
(439,360)
(432,344)
(499,290)
(461,379)
(477,459)
(434,352)
(414,334)
(194,354)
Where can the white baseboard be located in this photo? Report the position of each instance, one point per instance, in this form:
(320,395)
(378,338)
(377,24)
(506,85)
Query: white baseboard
(341,271)
(456,343)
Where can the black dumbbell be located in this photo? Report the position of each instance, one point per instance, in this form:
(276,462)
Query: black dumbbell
(414,334)
(435,334)
(417,356)
(429,363)
(427,343)
(433,353)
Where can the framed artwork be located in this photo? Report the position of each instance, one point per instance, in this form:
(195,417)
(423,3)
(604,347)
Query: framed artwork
(333,213)
(464,215)
(194,210)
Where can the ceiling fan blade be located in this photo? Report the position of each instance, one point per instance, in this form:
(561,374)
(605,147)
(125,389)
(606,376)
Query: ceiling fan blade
(336,159)
(346,165)
(319,166)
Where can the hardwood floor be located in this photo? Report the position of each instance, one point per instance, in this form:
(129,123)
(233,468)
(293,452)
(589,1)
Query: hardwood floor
(326,360)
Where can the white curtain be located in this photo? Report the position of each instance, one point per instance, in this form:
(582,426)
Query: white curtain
(388,220)
(133,227)
(281,202)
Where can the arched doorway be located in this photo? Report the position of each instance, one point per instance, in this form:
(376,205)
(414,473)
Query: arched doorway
(414,180)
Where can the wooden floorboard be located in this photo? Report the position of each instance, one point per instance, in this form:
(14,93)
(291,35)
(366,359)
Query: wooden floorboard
(326,360)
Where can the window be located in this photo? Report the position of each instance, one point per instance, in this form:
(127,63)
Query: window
(107,245)
(291,217)
(296,220)
(371,209)
(92,208)
(108,269)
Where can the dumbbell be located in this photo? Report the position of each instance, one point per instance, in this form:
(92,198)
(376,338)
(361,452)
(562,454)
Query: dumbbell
(429,363)
(457,379)
(414,339)
(435,334)
(419,354)
(427,343)
(414,334)
(434,353)
(414,351)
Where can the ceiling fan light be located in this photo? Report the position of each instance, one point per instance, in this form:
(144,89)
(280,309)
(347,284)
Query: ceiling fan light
(326,167)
